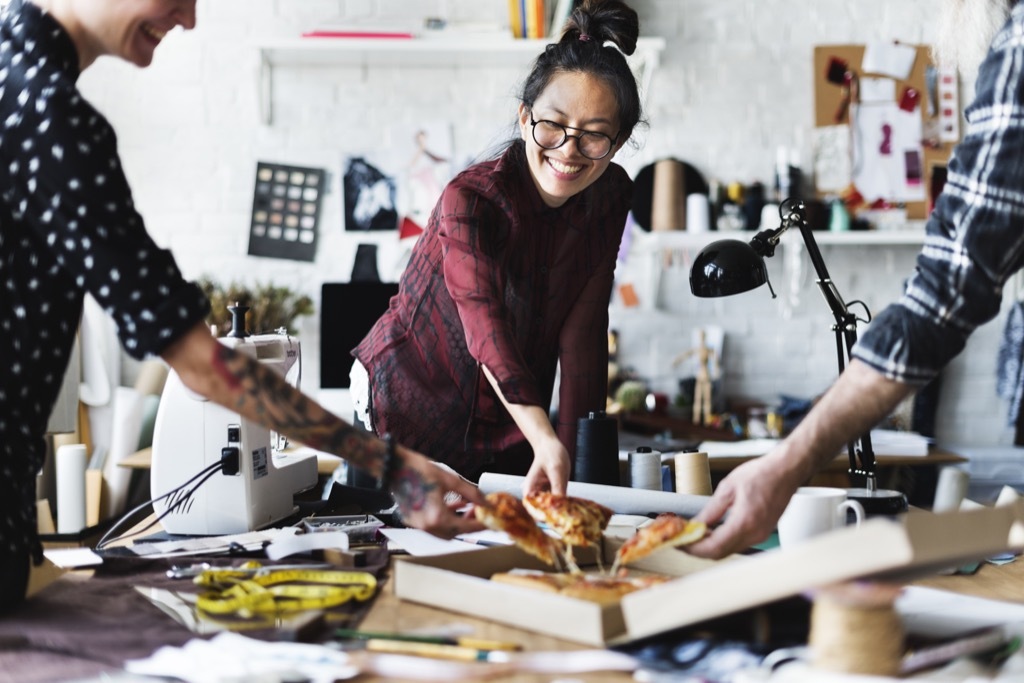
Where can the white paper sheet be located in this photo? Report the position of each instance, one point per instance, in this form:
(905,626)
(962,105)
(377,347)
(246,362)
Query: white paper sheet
(944,614)
(832,171)
(883,134)
(420,543)
(72,558)
(889,59)
(877,90)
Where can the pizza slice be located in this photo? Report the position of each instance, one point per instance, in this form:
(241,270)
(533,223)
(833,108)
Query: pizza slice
(577,520)
(667,530)
(604,590)
(505,512)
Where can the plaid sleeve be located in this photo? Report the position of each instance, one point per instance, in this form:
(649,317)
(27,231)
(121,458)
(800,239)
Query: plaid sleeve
(975,236)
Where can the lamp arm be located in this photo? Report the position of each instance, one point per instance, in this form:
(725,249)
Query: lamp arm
(862,458)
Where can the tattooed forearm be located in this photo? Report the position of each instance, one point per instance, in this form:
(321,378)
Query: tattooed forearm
(411,490)
(261,394)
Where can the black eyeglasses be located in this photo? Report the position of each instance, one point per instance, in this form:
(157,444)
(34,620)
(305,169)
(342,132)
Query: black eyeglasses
(551,135)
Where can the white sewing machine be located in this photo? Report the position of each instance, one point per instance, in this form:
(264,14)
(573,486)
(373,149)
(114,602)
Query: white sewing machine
(190,435)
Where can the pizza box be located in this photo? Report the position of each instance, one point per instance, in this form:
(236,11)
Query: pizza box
(917,544)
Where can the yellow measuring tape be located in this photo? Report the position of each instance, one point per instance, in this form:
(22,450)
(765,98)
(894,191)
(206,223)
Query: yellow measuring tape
(242,592)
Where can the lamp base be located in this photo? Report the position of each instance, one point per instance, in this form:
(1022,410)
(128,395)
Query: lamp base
(880,502)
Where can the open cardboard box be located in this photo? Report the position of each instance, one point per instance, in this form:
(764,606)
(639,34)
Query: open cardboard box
(917,544)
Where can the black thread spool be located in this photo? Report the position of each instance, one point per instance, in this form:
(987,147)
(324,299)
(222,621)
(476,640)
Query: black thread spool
(597,450)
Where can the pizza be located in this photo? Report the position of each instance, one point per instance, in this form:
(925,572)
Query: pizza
(505,512)
(667,530)
(604,590)
(577,520)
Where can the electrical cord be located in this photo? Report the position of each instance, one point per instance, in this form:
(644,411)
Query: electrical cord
(203,475)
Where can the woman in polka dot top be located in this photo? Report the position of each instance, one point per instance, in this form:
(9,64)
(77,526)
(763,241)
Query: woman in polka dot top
(68,226)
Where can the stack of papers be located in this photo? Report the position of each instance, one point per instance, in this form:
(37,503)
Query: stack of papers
(889,442)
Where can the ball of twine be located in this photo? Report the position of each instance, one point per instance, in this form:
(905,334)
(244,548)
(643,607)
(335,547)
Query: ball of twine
(855,629)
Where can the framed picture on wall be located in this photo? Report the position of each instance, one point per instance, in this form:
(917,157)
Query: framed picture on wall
(370,194)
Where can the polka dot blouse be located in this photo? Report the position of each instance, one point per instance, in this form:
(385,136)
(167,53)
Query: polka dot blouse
(67,226)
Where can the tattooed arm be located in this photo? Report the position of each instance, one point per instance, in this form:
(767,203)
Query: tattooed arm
(240,383)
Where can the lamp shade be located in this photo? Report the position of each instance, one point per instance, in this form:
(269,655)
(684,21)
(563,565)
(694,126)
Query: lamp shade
(727,267)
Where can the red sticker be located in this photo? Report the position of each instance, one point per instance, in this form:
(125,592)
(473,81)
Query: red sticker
(909,99)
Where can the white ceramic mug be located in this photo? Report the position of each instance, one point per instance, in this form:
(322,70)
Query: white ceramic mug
(815,510)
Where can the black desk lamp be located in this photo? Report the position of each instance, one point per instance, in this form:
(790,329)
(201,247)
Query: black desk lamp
(728,267)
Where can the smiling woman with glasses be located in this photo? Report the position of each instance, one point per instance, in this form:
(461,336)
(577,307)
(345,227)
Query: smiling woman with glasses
(511,279)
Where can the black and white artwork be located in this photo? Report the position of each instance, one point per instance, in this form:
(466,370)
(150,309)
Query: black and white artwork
(369,197)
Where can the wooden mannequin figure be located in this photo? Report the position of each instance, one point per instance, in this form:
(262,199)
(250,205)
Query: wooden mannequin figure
(707,367)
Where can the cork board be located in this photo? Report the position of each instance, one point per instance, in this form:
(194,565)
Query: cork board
(830,110)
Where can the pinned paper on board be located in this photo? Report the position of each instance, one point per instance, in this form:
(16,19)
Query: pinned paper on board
(874,90)
(892,97)
(832,168)
(887,153)
(889,59)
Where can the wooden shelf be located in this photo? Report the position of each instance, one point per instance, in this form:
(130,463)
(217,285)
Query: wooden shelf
(465,51)
(911,234)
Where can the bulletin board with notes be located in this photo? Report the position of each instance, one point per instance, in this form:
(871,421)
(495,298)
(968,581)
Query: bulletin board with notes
(886,121)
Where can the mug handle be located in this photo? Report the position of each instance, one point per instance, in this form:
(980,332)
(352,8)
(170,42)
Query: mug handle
(858,510)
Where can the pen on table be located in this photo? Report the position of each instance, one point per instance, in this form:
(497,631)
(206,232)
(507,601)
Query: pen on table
(435,650)
(461,641)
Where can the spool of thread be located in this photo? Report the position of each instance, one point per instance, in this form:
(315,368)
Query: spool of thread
(698,213)
(855,629)
(645,468)
(693,473)
(950,489)
(668,197)
(597,450)
(70,466)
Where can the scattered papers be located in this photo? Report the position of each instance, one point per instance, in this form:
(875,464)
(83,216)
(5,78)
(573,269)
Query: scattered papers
(73,558)
(232,657)
(943,614)
(209,545)
(420,543)
(890,442)
(303,543)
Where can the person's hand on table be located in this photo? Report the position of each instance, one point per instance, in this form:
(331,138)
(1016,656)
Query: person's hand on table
(550,468)
(419,488)
(754,495)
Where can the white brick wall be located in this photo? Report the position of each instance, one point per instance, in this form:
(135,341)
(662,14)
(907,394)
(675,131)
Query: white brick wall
(735,82)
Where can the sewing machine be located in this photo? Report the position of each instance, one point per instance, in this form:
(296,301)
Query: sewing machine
(192,435)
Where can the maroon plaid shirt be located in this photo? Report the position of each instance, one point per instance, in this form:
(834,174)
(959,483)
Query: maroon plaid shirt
(499,279)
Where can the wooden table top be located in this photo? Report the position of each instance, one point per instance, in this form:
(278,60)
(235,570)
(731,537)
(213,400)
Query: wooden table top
(1004,582)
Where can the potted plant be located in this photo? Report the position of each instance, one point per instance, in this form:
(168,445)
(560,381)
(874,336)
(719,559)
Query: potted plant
(270,307)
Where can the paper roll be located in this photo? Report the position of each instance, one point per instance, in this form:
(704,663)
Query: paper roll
(70,462)
(698,214)
(126,426)
(693,474)
(151,378)
(950,489)
(621,499)
(668,197)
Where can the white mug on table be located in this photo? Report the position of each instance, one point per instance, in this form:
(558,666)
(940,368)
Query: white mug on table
(815,510)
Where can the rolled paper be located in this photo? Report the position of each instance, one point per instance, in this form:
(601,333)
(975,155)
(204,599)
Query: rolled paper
(70,471)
